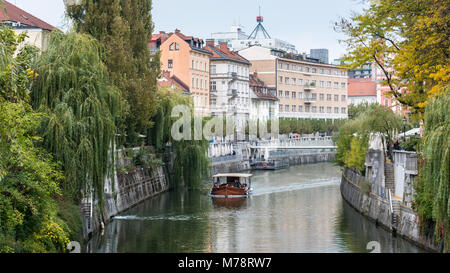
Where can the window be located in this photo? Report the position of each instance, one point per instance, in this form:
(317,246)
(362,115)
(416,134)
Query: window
(314,96)
(314,109)
(281,79)
(344,98)
(322,109)
(321,71)
(307,109)
(307,69)
(170,65)
(314,70)
(293,81)
(196,85)
(172,47)
(294,67)
(343,85)
(329,110)
(280,94)
(322,97)
(329,84)
(328,97)
(342,73)
(294,108)
(192,64)
(213,86)
(286,108)
(336,97)
(300,95)
(300,108)
(280,66)
(343,110)
(281,107)
(213,69)
(294,95)
(300,81)
(336,85)
(322,84)
(336,72)
(287,66)
(286,80)
(329,71)
(306,82)
(286,94)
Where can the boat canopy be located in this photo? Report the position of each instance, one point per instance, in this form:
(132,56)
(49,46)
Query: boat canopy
(240,175)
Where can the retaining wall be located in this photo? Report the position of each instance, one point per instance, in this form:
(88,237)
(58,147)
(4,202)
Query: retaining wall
(377,208)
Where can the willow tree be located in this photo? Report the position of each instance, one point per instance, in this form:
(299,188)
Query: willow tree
(409,42)
(191,162)
(125,28)
(433,188)
(81,107)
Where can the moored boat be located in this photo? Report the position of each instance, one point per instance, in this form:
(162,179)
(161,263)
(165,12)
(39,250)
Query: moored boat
(231,185)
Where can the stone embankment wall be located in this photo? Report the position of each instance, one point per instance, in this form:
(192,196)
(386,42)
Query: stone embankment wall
(403,222)
(124,192)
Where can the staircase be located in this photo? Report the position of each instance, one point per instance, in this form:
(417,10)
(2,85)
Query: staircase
(390,184)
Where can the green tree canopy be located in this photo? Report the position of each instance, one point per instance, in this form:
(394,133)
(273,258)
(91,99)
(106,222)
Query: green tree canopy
(125,27)
(81,108)
(409,41)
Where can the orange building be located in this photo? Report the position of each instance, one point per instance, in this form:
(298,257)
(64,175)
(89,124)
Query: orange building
(184,57)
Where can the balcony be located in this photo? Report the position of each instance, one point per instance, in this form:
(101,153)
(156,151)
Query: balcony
(232,93)
(309,100)
(310,87)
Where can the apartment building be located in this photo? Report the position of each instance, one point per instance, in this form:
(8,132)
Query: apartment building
(264,105)
(24,22)
(229,83)
(362,90)
(186,59)
(306,88)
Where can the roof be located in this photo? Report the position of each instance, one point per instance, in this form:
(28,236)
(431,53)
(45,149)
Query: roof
(240,175)
(172,81)
(223,53)
(194,42)
(361,87)
(256,82)
(15,14)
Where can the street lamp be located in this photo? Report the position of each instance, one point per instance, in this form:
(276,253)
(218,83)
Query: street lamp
(404,129)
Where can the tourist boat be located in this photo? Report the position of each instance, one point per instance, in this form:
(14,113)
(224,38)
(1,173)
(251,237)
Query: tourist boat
(231,185)
(270,165)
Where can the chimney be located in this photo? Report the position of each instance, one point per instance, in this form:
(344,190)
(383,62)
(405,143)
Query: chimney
(210,42)
(177,31)
(224,47)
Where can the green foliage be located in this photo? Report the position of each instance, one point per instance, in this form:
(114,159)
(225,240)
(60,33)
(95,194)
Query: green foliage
(191,160)
(81,109)
(305,126)
(125,27)
(433,188)
(408,40)
(353,137)
(28,178)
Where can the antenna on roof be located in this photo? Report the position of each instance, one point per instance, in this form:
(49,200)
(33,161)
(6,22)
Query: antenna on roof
(259,28)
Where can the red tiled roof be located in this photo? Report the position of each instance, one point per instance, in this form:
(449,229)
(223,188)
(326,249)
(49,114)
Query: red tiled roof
(18,15)
(255,82)
(172,82)
(361,87)
(224,53)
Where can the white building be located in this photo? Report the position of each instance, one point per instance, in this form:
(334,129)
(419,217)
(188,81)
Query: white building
(229,79)
(237,39)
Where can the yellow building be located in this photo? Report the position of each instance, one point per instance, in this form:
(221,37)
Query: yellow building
(306,88)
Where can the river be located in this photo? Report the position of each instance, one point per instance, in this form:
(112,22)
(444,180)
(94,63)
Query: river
(298,210)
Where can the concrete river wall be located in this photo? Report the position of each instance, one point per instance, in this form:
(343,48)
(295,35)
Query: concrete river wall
(403,221)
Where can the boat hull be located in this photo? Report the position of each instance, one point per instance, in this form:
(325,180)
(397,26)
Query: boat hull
(229,192)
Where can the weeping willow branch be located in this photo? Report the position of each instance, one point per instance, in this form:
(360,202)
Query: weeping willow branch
(82,107)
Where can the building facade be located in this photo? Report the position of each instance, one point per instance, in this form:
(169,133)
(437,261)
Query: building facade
(306,89)
(185,57)
(23,22)
(264,104)
(229,83)
(362,91)
(321,54)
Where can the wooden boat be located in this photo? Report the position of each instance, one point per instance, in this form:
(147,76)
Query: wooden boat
(231,185)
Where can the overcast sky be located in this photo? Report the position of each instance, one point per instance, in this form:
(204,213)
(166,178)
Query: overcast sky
(305,23)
